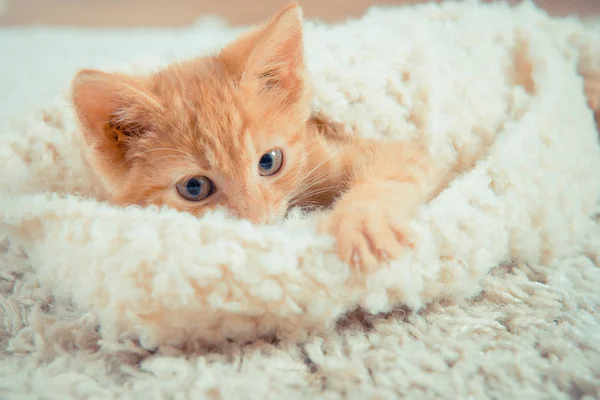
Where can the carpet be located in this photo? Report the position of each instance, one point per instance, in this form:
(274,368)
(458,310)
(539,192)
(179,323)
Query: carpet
(498,300)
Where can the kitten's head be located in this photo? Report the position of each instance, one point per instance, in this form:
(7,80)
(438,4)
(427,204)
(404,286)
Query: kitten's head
(226,130)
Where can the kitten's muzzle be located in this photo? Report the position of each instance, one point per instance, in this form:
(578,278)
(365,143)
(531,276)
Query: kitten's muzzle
(255,212)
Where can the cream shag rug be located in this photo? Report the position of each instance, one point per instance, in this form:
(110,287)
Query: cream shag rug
(499,299)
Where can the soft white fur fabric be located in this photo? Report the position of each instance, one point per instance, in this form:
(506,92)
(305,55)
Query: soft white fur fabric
(98,300)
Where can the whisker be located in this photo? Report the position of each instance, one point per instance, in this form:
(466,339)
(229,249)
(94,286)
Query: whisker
(315,180)
(326,159)
(307,195)
(306,189)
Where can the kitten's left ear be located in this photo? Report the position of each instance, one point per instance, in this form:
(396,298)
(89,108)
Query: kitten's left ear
(114,112)
(271,58)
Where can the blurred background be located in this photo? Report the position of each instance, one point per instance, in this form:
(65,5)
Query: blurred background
(170,13)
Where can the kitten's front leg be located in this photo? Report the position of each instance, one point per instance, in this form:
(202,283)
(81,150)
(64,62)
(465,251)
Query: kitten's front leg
(370,220)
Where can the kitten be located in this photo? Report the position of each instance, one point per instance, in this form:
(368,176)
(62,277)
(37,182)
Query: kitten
(235,130)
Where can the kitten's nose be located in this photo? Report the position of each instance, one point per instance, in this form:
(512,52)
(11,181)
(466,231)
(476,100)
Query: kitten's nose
(258,218)
(255,213)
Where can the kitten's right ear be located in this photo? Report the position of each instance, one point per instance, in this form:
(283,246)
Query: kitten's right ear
(269,60)
(113,111)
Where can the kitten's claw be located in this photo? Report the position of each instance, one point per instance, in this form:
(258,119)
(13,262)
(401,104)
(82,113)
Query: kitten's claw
(367,234)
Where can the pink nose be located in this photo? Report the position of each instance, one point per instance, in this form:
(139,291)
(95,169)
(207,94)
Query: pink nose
(255,213)
(260,217)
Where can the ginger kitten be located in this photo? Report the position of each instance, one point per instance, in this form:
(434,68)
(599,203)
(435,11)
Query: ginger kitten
(235,130)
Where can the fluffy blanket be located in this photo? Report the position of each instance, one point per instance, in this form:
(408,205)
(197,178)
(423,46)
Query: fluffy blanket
(498,299)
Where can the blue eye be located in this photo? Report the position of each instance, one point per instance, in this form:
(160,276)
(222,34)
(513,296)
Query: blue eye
(270,163)
(195,188)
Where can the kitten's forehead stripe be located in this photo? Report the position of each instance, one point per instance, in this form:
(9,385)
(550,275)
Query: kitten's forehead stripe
(207,106)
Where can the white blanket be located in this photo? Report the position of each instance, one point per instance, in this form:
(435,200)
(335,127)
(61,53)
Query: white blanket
(454,74)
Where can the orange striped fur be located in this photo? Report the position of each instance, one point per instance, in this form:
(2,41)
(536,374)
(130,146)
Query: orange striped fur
(216,116)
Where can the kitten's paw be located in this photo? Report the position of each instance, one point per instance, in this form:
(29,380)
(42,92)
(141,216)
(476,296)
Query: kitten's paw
(368,232)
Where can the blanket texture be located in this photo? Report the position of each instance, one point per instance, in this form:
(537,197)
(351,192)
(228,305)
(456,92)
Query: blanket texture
(499,298)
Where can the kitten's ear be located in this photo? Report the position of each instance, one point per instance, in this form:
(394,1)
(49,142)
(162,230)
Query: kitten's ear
(113,111)
(271,58)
